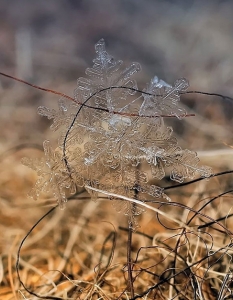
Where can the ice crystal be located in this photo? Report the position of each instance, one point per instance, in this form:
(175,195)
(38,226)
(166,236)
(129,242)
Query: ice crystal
(53,175)
(110,134)
(164,98)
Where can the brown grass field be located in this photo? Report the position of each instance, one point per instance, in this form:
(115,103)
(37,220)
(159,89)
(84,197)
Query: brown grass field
(80,252)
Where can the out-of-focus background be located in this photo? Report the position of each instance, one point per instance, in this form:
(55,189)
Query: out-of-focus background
(51,43)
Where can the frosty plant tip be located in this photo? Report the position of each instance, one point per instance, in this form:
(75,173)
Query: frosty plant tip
(109,135)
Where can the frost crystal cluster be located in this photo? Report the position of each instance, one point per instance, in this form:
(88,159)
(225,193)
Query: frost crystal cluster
(113,137)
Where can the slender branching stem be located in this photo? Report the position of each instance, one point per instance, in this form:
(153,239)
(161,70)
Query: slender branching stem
(129,259)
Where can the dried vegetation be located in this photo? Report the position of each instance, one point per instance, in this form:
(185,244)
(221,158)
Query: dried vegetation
(80,252)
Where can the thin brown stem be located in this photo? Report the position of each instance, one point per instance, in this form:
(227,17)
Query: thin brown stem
(99,91)
(129,259)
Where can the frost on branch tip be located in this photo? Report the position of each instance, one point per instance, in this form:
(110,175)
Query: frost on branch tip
(108,143)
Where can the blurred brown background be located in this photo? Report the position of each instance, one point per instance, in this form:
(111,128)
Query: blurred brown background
(51,43)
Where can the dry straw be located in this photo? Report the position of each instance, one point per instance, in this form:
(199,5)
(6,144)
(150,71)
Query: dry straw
(114,141)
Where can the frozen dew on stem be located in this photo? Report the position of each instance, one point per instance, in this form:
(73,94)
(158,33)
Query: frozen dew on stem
(110,133)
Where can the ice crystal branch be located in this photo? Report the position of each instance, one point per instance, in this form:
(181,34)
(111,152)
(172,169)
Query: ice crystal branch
(106,138)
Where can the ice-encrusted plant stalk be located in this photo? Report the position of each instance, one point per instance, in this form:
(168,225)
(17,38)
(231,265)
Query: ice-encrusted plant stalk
(113,129)
(108,134)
